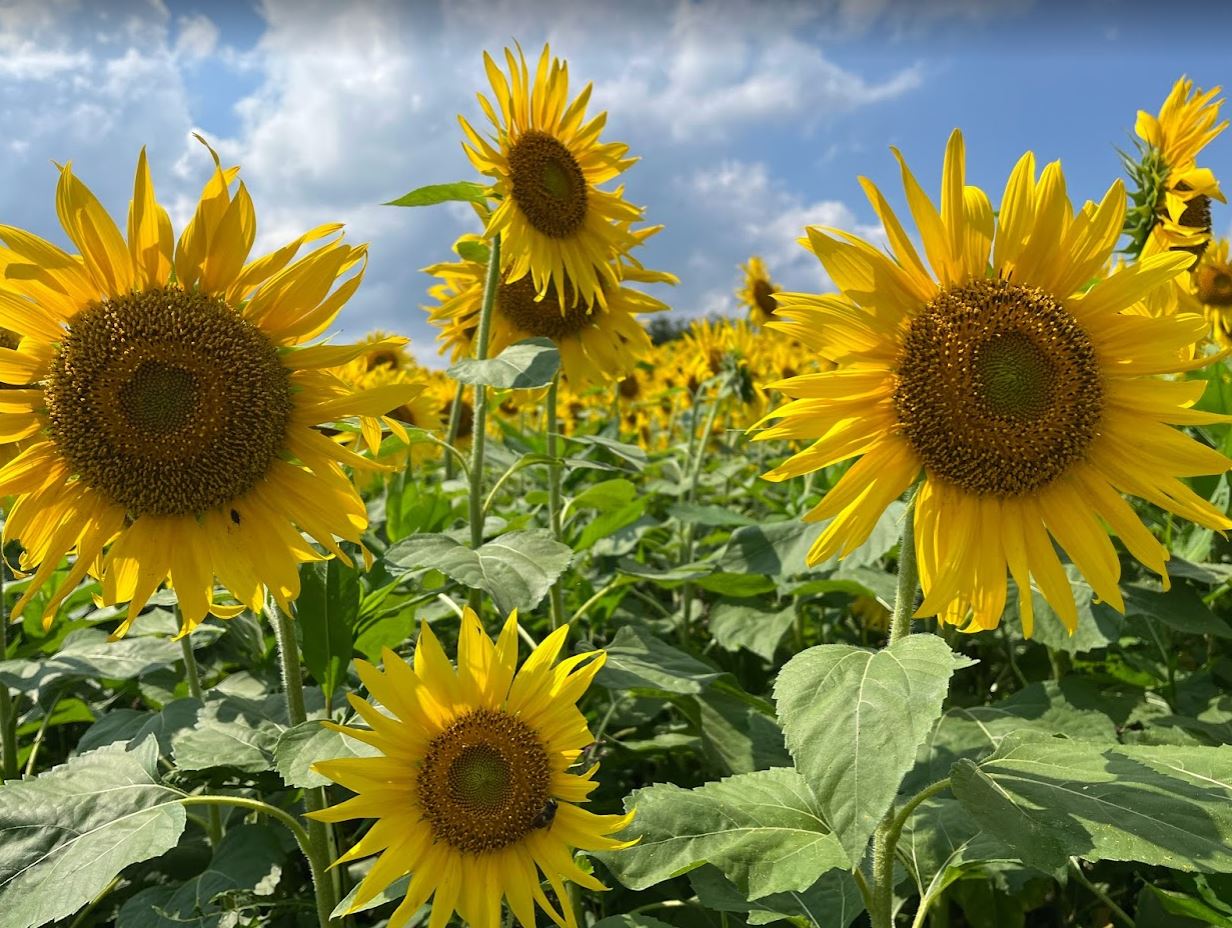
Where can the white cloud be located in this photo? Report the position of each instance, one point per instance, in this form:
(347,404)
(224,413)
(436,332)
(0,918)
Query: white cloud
(198,37)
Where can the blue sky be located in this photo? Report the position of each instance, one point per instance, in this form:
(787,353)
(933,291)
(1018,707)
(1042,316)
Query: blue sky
(752,119)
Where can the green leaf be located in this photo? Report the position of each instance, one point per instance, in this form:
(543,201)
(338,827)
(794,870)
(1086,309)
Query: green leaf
(630,921)
(608,524)
(523,365)
(462,191)
(1180,608)
(66,834)
(326,609)
(471,250)
(236,732)
(738,732)
(298,748)
(517,569)
(1175,903)
(248,860)
(855,720)
(630,454)
(763,830)
(713,516)
(1050,799)
(87,654)
(735,626)
(735,585)
(834,901)
(775,549)
(605,495)
(1072,708)
(636,660)
(395,891)
(941,843)
(1098,623)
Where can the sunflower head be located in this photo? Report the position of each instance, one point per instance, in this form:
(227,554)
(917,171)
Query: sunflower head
(758,291)
(1020,399)
(480,779)
(546,162)
(166,404)
(1172,202)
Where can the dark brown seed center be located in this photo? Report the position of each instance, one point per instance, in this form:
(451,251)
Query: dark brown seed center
(543,318)
(167,402)
(548,185)
(763,295)
(999,390)
(484,781)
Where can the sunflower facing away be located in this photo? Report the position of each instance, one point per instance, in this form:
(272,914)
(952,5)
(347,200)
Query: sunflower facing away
(474,791)
(165,407)
(1028,404)
(598,343)
(546,161)
(1174,196)
(1212,287)
(758,291)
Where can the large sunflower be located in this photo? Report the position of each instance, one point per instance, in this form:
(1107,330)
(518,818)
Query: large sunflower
(475,791)
(1027,404)
(164,406)
(547,162)
(598,342)
(758,291)
(1175,194)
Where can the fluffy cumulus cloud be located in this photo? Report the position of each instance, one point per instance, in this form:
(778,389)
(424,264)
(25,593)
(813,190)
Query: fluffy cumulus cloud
(335,108)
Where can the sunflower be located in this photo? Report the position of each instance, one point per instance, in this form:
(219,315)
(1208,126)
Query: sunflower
(166,407)
(758,291)
(554,221)
(1027,404)
(1174,198)
(598,342)
(475,790)
(1212,287)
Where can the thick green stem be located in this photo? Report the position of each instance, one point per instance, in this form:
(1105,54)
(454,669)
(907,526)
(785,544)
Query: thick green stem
(480,429)
(554,495)
(908,578)
(697,457)
(319,839)
(885,838)
(8,718)
(214,831)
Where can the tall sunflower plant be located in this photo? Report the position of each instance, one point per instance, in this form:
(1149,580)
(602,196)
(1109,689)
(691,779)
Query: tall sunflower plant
(899,604)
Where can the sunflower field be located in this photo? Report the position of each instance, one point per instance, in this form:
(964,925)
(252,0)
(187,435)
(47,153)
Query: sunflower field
(901,604)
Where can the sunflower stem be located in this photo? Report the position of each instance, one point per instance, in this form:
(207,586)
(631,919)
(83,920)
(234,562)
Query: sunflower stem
(696,457)
(885,838)
(554,495)
(908,577)
(455,424)
(193,675)
(319,839)
(8,719)
(480,427)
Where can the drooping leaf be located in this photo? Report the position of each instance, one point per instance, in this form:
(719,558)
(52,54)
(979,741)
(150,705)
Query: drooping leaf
(516,569)
(523,365)
(66,834)
(462,191)
(763,830)
(87,654)
(855,720)
(1052,798)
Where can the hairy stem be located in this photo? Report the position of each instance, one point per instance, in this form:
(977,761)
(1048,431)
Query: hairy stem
(319,839)
(554,495)
(480,427)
